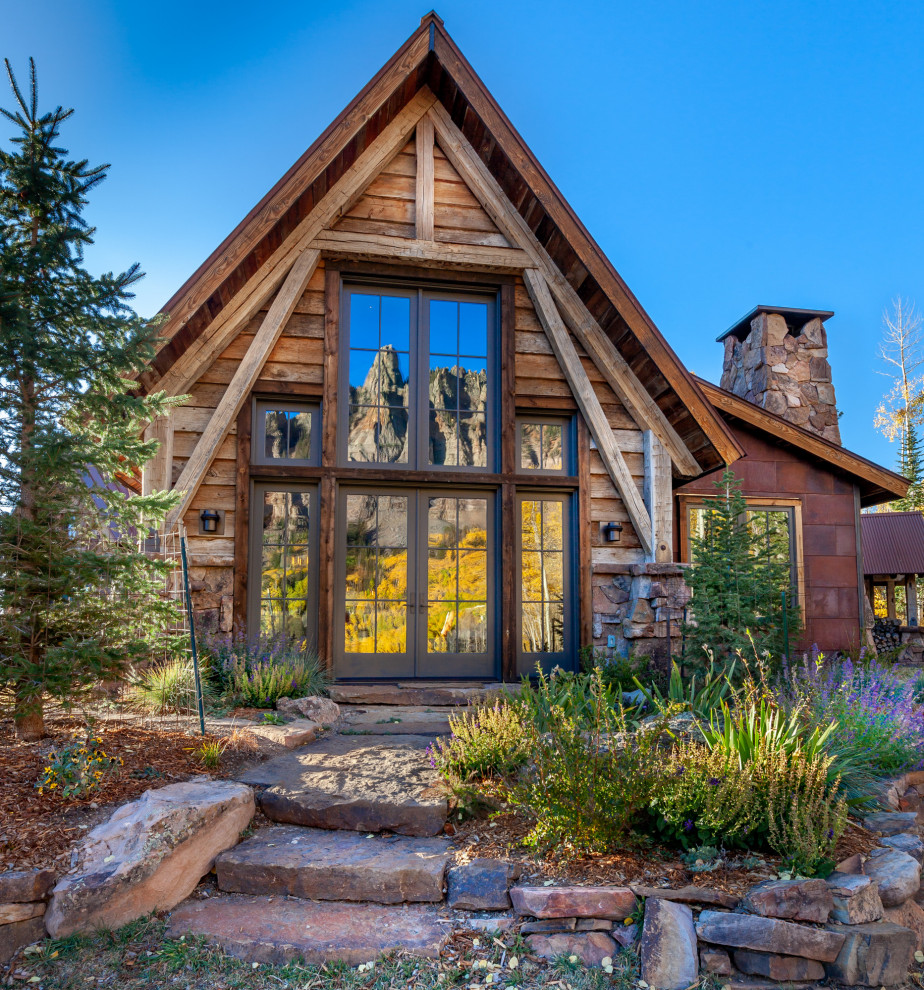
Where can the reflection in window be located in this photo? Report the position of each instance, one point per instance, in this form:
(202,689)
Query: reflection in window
(285,565)
(457,575)
(287,434)
(542,576)
(379,378)
(458,383)
(541,446)
(375,588)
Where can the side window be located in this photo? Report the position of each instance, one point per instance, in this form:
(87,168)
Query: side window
(286,432)
(544,445)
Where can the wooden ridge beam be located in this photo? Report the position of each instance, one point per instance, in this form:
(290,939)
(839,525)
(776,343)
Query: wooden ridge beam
(589,404)
(338,200)
(602,350)
(383,247)
(247,373)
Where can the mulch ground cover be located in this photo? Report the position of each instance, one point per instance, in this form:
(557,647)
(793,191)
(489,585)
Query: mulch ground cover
(39,830)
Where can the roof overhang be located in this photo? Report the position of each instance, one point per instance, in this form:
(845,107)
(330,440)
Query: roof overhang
(876,483)
(429,58)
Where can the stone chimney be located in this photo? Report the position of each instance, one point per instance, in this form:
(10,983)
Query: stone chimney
(777,358)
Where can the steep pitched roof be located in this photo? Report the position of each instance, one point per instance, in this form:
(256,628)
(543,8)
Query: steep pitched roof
(877,484)
(429,58)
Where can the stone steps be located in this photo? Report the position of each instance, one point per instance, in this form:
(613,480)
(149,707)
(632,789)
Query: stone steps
(365,784)
(335,866)
(388,720)
(279,929)
(436,694)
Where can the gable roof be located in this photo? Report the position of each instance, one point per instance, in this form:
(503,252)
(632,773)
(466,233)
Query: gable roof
(893,542)
(430,59)
(877,484)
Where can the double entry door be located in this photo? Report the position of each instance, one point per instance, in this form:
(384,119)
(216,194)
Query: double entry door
(415,583)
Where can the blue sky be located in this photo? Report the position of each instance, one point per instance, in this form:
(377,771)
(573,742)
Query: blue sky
(723,154)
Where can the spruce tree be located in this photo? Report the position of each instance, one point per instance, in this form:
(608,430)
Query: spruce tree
(737,583)
(79,600)
(911,465)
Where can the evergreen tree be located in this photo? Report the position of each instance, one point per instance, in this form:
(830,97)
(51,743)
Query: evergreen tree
(78,600)
(911,465)
(737,578)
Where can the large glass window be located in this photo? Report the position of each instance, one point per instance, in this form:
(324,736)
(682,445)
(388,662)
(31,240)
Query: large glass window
(418,378)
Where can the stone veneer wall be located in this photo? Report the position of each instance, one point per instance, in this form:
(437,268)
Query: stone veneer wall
(785,374)
(642,606)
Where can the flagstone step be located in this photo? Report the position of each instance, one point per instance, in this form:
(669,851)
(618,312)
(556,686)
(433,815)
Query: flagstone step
(386,720)
(341,866)
(418,693)
(279,929)
(367,784)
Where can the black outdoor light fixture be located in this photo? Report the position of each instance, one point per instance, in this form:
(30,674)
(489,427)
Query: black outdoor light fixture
(210,519)
(612,531)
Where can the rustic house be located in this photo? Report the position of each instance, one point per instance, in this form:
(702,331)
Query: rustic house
(433,433)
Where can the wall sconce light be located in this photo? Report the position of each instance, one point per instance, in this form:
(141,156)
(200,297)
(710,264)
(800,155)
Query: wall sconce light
(612,532)
(210,519)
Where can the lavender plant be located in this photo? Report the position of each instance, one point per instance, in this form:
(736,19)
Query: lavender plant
(879,721)
(259,673)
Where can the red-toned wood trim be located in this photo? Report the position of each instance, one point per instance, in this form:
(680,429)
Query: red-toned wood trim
(507,541)
(242,520)
(585,578)
(415,274)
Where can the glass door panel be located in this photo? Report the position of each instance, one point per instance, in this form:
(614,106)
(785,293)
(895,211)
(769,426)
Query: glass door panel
(283,579)
(545,613)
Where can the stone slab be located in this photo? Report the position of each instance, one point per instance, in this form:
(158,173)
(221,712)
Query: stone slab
(907,843)
(480,885)
(909,915)
(856,898)
(388,720)
(891,822)
(750,931)
(781,968)
(21,886)
(667,952)
(415,693)
(591,948)
(11,913)
(877,954)
(292,735)
(547,926)
(716,961)
(15,936)
(352,782)
(335,866)
(798,900)
(688,895)
(897,873)
(613,903)
(277,930)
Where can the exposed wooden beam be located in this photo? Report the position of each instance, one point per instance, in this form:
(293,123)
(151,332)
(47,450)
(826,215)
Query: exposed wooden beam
(614,368)
(243,381)
(424,200)
(659,498)
(379,247)
(589,404)
(156,474)
(258,289)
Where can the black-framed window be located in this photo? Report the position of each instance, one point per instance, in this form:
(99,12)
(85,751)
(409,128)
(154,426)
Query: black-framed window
(544,444)
(419,380)
(286,432)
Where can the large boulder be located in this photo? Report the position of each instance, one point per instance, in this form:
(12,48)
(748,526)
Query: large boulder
(668,949)
(873,955)
(323,711)
(149,855)
(614,903)
(750,931)
(856,898)
(897,873)
(800,900)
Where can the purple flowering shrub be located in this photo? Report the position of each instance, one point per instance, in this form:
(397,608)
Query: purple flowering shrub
(258,674)
(879,720)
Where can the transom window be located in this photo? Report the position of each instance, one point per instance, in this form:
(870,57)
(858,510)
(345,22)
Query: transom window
(285,431)
(419,379)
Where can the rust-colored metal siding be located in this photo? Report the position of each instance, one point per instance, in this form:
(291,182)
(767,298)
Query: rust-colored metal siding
(893,542)
(831,610)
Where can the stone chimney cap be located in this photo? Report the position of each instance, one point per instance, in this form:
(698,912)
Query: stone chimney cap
(795,320)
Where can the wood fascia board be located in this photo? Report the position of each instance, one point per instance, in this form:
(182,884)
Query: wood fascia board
(261,286)
(601,349)
(778,427)
(589,404)
(381,247)
(244,377)
(200,285)
(587,249)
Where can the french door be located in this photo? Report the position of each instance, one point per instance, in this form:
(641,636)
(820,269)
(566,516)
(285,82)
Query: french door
(415,583)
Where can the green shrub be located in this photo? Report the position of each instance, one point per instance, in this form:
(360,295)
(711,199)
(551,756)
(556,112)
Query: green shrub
(489,742)
(574,695)
(170,688)
(700,695)
(261,682)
